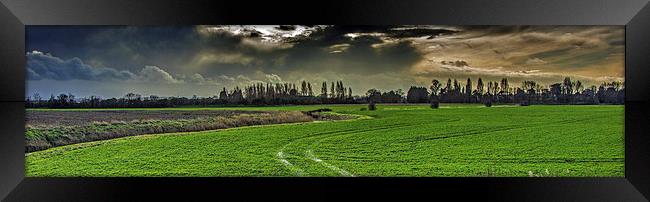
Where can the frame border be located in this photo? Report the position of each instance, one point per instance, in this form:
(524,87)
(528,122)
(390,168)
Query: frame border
(634,14)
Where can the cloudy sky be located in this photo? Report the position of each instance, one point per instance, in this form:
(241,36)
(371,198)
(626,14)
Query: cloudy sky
(111,61)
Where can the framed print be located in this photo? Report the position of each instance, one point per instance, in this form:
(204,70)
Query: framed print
(515,100)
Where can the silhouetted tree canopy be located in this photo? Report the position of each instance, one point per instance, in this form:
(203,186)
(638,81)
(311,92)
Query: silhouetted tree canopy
(565,92)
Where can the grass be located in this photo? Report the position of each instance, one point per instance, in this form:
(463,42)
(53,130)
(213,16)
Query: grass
(394,140)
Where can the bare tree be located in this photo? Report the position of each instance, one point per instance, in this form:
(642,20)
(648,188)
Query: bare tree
(479,86)
(567,85)
(435,87)
(309,90)
(504,86)
(579,87)
(323,90)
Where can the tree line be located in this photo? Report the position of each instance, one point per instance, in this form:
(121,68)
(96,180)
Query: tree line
(451,91)
(288,93)
(529,92)
(255,94)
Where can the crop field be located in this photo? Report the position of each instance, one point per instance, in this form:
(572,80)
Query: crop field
(394,140)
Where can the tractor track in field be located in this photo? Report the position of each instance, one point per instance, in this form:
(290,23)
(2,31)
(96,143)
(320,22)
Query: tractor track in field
(331,134)
(310,155)
(295,169)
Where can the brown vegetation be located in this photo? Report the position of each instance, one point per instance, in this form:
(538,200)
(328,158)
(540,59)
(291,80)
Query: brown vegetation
(46,119)
(46,129)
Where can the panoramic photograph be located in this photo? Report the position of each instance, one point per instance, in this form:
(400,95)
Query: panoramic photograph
(324,100)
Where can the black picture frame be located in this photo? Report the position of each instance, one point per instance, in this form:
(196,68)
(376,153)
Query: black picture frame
(633,14)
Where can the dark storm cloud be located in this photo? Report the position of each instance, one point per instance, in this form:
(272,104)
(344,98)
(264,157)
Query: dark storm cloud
(45,66)
(496,30)
(125,48)
(42,66)
(316,52)
(418,32)
(286,27)
(230,50)
(359,58)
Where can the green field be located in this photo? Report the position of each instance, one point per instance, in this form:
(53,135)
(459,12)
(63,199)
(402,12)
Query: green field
(395,140)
